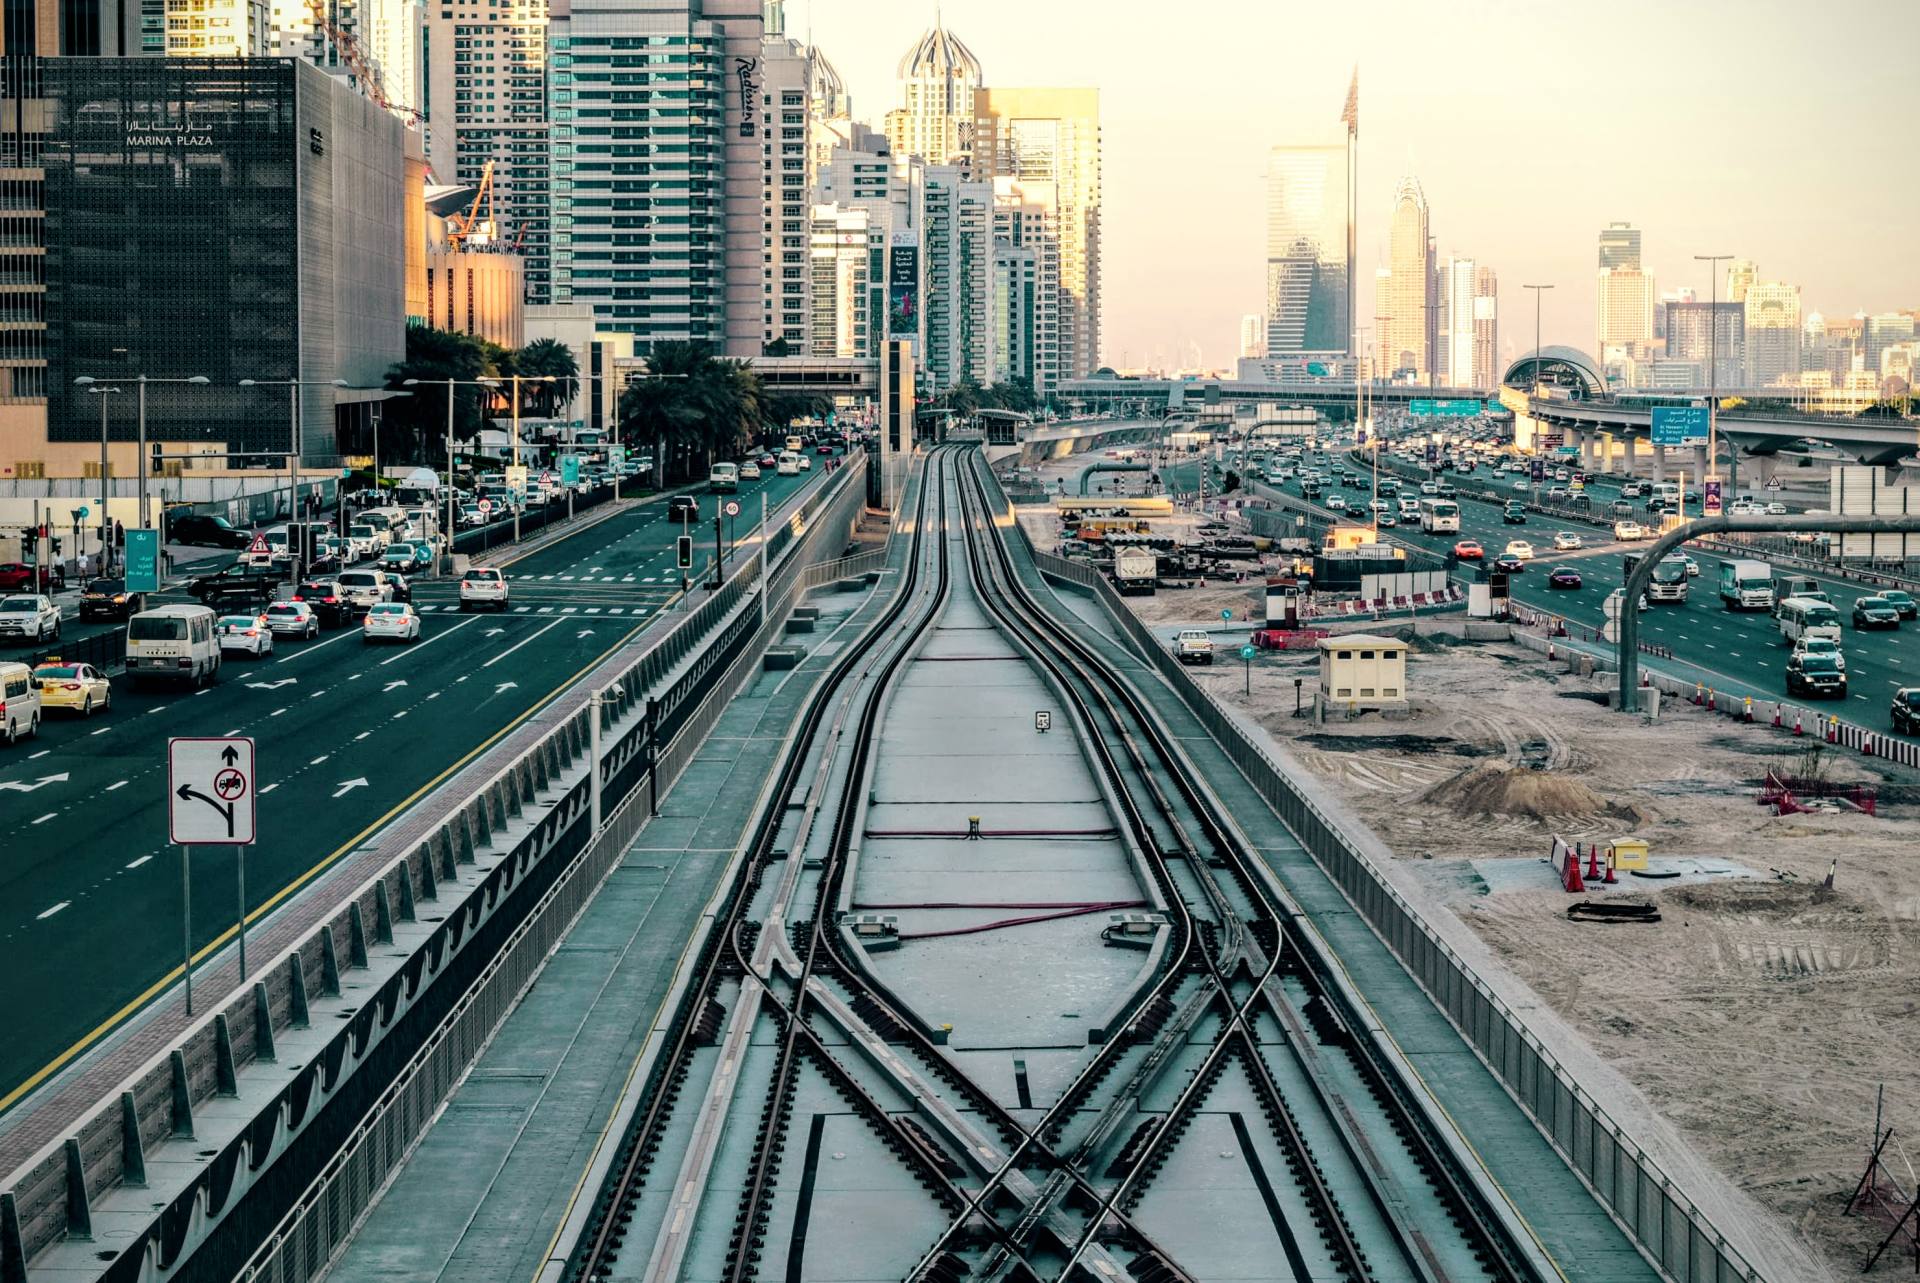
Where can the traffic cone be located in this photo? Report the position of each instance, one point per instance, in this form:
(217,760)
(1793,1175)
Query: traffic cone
(1796,723)
(1833,730)
(1712,704)
(1572,880)
(1866,746)
(1609,880)
(1776,717)
(1746,710)
(1698,697)
(1593,862)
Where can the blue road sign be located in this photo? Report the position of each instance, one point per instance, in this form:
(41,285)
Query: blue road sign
(570,470)
(1679,425)
(143,561)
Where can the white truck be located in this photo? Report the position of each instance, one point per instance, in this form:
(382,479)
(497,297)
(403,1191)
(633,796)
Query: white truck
(1193,646)
(1135,570)
(1746,585)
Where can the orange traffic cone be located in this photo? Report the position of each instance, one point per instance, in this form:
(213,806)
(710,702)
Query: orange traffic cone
(1776,717)
(1713,705)
(1609,880)
(1796,723)
(1699,696)
(1593,862)
(1572,880)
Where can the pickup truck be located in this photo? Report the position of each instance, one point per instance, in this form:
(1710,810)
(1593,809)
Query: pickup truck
(1193,646)
(238,584)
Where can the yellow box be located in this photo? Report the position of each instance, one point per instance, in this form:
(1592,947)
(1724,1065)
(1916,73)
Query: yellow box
(1628,853)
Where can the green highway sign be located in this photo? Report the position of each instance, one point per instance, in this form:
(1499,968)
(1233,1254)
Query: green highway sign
(143,561)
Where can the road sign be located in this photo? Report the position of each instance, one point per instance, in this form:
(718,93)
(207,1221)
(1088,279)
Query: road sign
(259,545)
(733,507)
(485,506)
(1042,720)
(1774,484)
(143,561)
(80,513)
(570,470)
(1710,497)
(1679,424)
(1248,652)
(616,455)
(210,791)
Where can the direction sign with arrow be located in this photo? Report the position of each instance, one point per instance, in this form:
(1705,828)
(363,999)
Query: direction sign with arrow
(210,791)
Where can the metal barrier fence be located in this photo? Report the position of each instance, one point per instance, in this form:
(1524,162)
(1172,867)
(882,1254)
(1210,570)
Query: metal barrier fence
(323,1220)
(1674,1234)
(47,1197)
(103,650)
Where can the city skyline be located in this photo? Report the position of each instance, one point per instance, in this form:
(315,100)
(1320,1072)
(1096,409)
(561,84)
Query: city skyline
(1179,109)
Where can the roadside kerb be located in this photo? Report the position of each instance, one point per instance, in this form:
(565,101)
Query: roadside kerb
(1669,1230)
(75,1149)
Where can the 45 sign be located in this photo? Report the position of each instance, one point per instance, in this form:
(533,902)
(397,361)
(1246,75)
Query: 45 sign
(210,791)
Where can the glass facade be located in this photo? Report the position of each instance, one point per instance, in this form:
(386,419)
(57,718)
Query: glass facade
(638,231)
(1308,303)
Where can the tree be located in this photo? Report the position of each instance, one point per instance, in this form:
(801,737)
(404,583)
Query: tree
(409,423)
(693,405)
(547,358)
(779,347)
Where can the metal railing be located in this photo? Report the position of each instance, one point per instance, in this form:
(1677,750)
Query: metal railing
(1674,1234)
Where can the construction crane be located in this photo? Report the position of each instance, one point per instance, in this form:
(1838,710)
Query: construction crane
(360,68)
(462,228)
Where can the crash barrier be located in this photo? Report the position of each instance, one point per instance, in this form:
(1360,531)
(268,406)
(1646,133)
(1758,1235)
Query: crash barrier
(1669,1230)
(423,987)
(1385,605)
(1782,715)
(104,651)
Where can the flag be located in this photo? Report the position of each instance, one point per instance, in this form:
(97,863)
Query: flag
(1351,115)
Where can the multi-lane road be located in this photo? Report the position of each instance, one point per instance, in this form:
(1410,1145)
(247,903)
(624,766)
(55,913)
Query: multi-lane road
(348,736)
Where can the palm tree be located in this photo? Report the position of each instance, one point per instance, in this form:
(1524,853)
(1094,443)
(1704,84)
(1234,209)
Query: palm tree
(548,358)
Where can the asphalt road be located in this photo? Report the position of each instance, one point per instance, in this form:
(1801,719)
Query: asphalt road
(348,735)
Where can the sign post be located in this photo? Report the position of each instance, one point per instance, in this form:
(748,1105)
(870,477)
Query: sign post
(733,533)
(1246,665)
(210,792)
(143,561)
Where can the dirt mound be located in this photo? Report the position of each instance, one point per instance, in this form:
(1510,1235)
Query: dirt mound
(1502,789)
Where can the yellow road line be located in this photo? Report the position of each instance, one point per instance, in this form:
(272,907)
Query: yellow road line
(165,981)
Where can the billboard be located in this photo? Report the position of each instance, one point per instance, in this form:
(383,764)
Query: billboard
(1680,425)
(903,291)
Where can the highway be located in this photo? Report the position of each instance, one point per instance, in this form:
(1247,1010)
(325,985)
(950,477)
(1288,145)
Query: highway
(348,736)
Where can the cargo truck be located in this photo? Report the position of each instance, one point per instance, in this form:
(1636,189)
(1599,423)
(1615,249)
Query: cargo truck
(1746,585)
(1135,570)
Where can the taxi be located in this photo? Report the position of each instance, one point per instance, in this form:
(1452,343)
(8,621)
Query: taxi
(75,688)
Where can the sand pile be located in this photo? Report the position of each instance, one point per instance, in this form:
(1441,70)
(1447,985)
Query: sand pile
(1500,788)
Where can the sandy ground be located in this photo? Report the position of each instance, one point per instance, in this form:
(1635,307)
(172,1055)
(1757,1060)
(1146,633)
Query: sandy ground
(1760,1014)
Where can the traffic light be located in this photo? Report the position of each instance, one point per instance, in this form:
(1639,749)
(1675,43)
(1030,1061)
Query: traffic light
(683,551)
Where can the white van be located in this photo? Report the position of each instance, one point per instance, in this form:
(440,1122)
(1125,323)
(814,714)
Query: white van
(1807,617)
(19,703)
(174,642)
(787,464)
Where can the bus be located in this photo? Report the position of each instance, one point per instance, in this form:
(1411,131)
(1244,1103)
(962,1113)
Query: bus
(723,478)
(1439,517)
(795,443)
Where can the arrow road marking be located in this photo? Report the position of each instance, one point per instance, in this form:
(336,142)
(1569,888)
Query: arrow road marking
(493,632)
(584,632)
(271,686)
(347,786)
(390,685)
(22,786)
(504,687)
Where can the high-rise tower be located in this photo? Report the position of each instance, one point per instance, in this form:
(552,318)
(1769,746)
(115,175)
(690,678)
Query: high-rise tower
(938,77)
(1406,335)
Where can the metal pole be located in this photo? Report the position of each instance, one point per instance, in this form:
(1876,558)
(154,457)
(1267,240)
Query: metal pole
(516,453)
(653,755)
(593,759)
(186,921)
(1713,371)
(377,501)
(141,462)
(448,558)
(719,557)
(105,544)
(240,863)
(294,524)
(765,534)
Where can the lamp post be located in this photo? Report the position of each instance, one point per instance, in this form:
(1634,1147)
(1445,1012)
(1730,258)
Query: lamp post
(1539,292)
(294,524)
(1713,262)
(450,385)
(106,541)
(515,380)
(87,380)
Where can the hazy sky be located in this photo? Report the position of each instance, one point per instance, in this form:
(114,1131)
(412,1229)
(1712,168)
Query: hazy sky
(1774,130)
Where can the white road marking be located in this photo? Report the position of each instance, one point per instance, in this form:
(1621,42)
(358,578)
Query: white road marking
(42,753)
(48,913)
(268,789)
(137,863)
(50,814)
(517,645)
(316,761)
(117,784)
(102,731)
(276,712)
(422,645)
(362,735)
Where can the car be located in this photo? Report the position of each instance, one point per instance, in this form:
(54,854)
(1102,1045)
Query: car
(749,471)
(203,531)
(1901,601)
(1820,646)
(1563,577)
(1386,519)
(400,557)
(106,599)
(1558,494)
(1469,550)
(1631,490)
(483,586)
(1514,515)
(400,589)
(30,617)
(1193,646)
(292,619)
(1567,541)
(1522,485)
(1629,530)
(1693,567)
(18,576)
(390,621)
(1875,612)
(1815,675)
(1520,548)
(767,459)
(238,584)
(806,464)
(367,539)
(823,449)
(363,588)
(1904,712)
(76,688)
(334,552)
(327,599)
(470,515)
(683,507)
(1512,565)
(247,634)
(1776,509)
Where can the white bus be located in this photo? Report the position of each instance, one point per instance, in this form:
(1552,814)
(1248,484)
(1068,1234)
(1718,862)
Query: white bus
(1439,517)
(1802,617)
(723,478)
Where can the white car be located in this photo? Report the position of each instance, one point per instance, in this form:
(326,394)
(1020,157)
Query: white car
(365,587)
(29,616)
(1566,541)
(749,471)
(1629,530)
(391,621)
(1776,509)
(1521,549)
(247,634)
(483,586)
(806,462)
(1522,484)
(367,540)
(1821,646)
(293,618)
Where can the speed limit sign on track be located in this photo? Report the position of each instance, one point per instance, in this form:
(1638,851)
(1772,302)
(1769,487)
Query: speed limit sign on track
(733,507)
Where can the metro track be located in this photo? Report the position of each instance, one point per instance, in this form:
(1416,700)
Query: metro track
(781,1000)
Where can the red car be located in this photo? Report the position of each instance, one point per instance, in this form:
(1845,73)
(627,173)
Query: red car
(824,449)
(1563,577)
(17,576)
(767,460)
(1469,550)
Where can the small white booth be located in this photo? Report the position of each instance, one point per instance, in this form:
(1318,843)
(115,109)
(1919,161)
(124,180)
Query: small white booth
(1360,670)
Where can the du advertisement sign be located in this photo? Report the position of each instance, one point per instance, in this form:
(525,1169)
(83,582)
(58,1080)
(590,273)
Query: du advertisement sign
(1680,425)
(903,291)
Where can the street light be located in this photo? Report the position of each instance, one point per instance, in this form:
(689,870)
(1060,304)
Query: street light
(1713,262)
(106,543)
(87,380)
(1539,292)
(450,384)
(293,453)
(516,380)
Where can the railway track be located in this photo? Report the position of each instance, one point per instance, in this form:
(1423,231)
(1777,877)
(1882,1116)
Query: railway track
(790,1053)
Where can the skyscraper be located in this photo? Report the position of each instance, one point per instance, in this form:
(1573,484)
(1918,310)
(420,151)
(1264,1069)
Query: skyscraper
(1253,336)
(1773,332)
(1486,328)
(1047,141)
(1453,358)
(1625,308)
(959,278)
(219,29)
(1619,246)
(935,118)
(384,35)
(1741,273)
(1690,339)
(1309,275)
(1407,333)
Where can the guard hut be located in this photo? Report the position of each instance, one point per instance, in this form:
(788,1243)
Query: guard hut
(1361,671)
